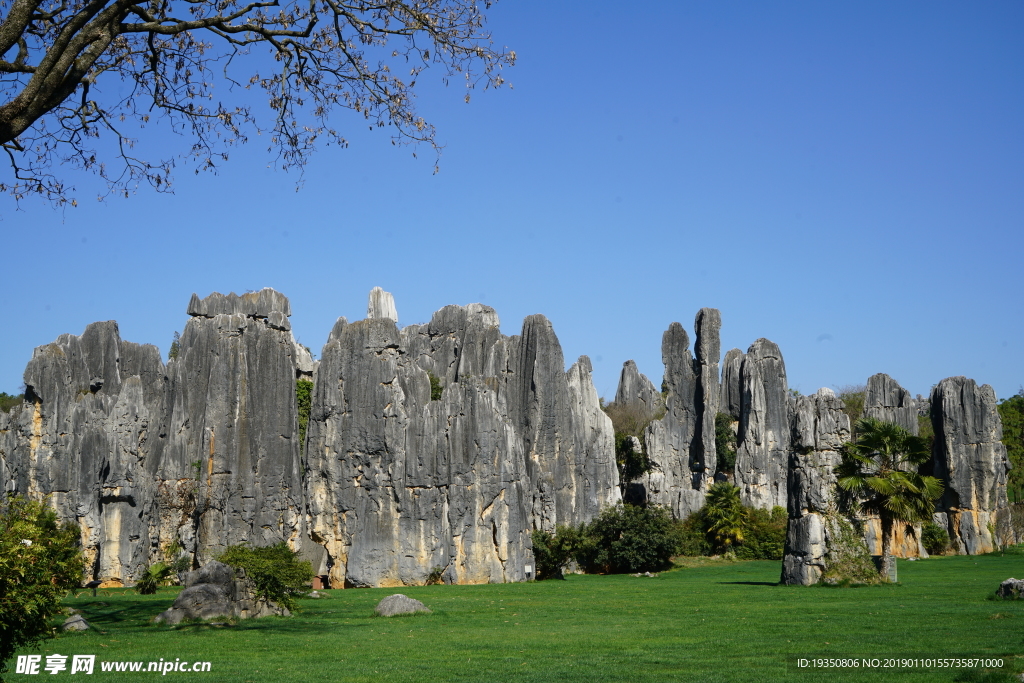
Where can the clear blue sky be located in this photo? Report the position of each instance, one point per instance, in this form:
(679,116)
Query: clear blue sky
(845,179)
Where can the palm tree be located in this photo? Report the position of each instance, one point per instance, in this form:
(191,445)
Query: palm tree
(880,468)
(724,515)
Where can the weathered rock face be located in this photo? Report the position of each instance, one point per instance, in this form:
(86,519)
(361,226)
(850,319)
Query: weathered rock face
(202,452)
(382,305)
(708,395)
(681,457)
(230,471)
(87,436)
(971,460)
(886,400)
(764,431)
(820,428)
(400,484)
(732,397)
(636,390)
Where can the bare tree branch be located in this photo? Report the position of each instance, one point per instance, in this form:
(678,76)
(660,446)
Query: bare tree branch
(166,59)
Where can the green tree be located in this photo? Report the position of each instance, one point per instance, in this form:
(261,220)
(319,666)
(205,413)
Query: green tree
(853,402)
(8,401)
(304,402)
(724,516)
(40,561)
(172,353)
(628,538)
(725,443)
(880,469)
(276,572)
(552,552)
(1011,412)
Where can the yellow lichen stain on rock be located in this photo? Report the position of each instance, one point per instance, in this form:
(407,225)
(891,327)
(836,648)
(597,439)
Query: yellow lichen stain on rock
(37,427)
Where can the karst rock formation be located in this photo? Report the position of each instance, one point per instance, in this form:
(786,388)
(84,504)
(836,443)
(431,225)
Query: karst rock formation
(437,449)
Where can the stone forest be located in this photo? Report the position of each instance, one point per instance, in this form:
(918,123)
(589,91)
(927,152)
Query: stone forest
(444,445)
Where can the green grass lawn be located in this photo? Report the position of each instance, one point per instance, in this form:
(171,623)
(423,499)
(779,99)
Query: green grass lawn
(716,622)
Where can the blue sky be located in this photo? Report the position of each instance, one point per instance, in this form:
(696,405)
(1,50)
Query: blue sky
(845,179)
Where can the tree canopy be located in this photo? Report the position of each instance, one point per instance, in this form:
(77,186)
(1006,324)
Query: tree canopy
(880,469)
(1011,412)
(75,71)
(40,561)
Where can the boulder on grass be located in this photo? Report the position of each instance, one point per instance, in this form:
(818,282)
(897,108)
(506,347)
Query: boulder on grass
(75,623)
(218,590)
(399,604)
(1011,589)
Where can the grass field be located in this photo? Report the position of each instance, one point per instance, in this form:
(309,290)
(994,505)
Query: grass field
(715,621)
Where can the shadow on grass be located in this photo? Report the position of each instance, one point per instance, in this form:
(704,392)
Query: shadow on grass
(749,583)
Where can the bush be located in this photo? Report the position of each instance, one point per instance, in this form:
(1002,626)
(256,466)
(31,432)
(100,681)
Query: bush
(764,534)
(40,561)
(630,419)
(304,402)
(8,401)
(934,538)
(725,443)
(692,536)
(853,402)
(552,552)
(276,572)
(627,538)
(436,389)
(156,575)
(724,516)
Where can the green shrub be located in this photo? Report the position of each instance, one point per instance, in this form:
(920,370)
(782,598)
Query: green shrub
(853,402)
(552,552)
(8,401)
(632,463)
(628,538)
(435,577)
(630,419)
(436,389)
(156,575)
(276,572)
(764,534)
(934,538)
(725,443)
(692,536)
(40,561)
(304,402)
(1011,412)
(724,516)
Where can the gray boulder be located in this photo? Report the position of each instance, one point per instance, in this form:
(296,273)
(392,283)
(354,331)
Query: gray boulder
(218,590)
(399,604)
(76,622)
(971,460)
(1011,589)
